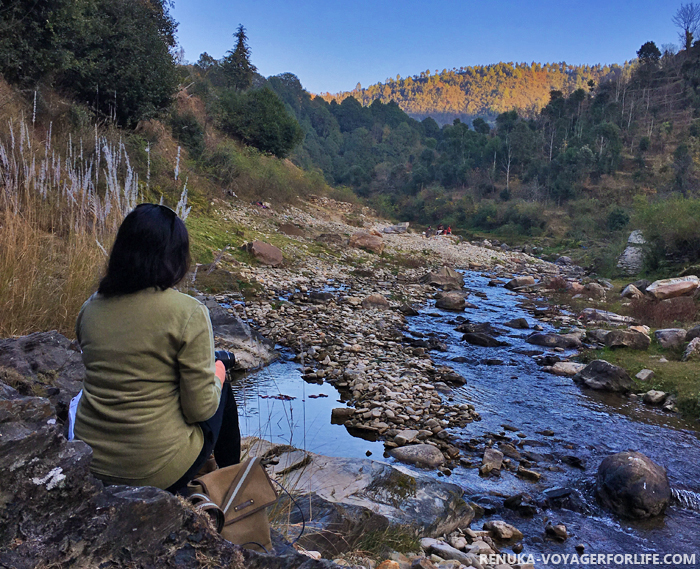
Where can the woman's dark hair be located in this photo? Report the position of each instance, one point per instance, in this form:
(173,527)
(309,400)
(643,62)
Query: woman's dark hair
(152,249)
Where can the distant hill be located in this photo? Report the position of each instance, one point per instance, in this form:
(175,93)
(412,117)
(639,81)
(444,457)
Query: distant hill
(484,90)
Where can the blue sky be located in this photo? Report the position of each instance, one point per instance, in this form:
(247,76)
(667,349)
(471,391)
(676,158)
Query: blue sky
(331,46)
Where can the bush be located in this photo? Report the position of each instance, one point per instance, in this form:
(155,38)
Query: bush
(618,219)
(188,132)
(259,119)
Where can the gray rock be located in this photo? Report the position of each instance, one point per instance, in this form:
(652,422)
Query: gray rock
(627,339)
(341,414)
(645,375)
(568,369)
(554,341)
(367,241)
(692,350)
(632,485)
(519,323)
(252,350)
(596,315)
(693,333)
(670,338)
(654,397)
(424,455)
(492,460)
(564,261)
(631,291)
(453,301)
(48,359)
(671,288)
(595,290)
(265,253)
(446,551)
(405,437)
(446,278)
(483,340)
(631,261)
(605,376)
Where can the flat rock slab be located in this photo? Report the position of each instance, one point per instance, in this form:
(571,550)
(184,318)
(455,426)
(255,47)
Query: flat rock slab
(367,241)
(567,369)
(265,253)
(670,338)
(427,505)
(670,288)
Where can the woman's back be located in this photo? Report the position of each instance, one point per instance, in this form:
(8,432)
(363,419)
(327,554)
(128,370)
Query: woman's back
(150,379)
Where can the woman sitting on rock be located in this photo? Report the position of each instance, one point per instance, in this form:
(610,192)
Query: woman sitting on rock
(154,402)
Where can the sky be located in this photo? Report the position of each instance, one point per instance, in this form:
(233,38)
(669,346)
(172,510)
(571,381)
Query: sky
(331,46)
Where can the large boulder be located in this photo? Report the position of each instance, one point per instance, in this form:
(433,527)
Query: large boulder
(554,340)
(627,339)
(597,315)
(604,376)
(265,253)
(367,241)
(252,349)
(670,288)
(400,228)
(453,301)
(54,513)
(632,485)
(670,338)
(631,291)
(367,489)
(49,363)
(446,278)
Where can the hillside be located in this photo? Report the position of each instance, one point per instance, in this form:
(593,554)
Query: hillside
(483,90)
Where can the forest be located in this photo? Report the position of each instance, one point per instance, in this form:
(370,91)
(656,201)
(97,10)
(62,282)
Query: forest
(565,156)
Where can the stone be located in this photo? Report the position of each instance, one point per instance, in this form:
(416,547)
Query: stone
(631,291)
(554,340)
(671,288)
(364,240)
(528,474)
(55,513)
(632,485)
(597,315)
(596,335)
(445,551)
(46,359)
(557,532)
(492,460)
(291,229)
(408,310)
(423,455)
(503,531)
(405,437)
(692,350)
(332,239)
(399,228)
(388,564)
(265,253)
(252,349)
(519,323)
(693,333)
(604,376)
(453,301)
(482,340)
(670,338)
(341,414)
(654,397)
(564,261)
(645,375)
(375,301)
(595,290)
(627,339)
(446,278)
(631,261)
(568,369)
(519,282)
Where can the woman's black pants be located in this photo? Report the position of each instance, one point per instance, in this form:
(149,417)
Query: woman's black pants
(221,435)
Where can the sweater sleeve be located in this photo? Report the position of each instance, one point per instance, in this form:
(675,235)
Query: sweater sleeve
(200,389)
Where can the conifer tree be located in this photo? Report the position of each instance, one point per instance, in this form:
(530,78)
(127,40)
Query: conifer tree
(236,66)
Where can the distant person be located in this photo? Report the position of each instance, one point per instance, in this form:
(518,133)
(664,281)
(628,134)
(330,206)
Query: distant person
(429,231)
(440,229)
(448,231)
(154,403)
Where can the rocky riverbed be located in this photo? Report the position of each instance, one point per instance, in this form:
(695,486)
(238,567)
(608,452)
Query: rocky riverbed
(416,356)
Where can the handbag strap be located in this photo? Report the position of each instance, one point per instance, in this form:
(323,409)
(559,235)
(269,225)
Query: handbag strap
(204,503)
(228,501)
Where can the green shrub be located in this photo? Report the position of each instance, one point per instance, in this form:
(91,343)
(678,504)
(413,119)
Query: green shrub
(188,132)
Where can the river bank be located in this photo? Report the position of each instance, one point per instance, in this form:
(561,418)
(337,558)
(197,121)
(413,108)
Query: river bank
(375,333)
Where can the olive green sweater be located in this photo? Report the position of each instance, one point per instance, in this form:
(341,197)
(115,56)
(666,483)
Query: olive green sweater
(150,378)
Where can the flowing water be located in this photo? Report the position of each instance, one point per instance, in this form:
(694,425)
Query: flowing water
(587,425)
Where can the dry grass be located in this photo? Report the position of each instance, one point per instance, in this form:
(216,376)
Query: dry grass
(44,277)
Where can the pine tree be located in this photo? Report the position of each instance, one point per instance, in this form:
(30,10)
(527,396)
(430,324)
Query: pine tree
(236,66)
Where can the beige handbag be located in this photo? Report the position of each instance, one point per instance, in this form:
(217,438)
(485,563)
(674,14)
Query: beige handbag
(237,497)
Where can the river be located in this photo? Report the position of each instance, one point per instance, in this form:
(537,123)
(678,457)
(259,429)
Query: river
(586,425)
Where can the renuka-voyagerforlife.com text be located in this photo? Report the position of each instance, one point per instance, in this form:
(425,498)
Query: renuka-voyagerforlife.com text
(605,559)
